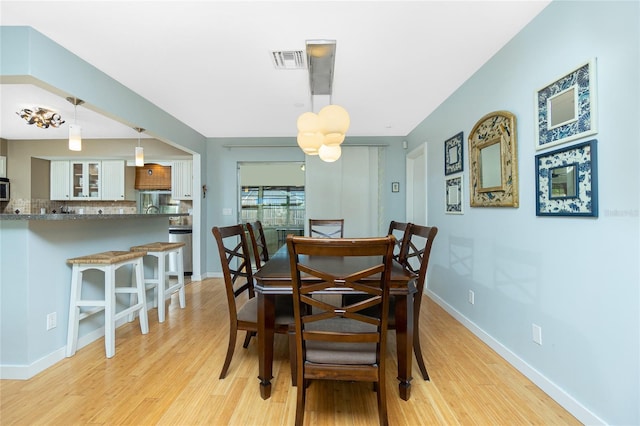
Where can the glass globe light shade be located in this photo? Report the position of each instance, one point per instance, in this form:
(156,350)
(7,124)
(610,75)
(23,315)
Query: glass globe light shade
(333,139)
(334,119)
(308,122)
(330,153)
(310,142)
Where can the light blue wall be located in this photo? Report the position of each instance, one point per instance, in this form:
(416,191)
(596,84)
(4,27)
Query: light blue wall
(222,177)
(578,278)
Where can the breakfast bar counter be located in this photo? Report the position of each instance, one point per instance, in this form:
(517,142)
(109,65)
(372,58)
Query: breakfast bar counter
(75,216)
(35,279)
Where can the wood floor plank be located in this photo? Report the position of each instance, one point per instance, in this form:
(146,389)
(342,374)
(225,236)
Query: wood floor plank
(170,377)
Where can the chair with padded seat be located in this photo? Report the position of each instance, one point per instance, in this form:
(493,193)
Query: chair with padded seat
(414,256)
(235,259)
(341,341)
(326,228)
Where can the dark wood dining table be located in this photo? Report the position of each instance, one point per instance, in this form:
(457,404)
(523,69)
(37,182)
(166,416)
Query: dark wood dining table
(274,278)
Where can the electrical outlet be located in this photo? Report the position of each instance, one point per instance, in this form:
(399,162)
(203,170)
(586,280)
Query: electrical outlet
(537,333)
(472,297)
(52,320)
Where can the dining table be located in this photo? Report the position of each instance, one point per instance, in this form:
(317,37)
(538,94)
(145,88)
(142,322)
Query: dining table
(274,278)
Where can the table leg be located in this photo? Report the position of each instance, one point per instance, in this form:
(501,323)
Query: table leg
(266,325)
(404,340)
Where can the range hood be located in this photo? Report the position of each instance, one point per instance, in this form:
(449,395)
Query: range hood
(153,177)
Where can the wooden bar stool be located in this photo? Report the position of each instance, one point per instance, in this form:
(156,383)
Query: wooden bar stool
(107,262)
(160,281)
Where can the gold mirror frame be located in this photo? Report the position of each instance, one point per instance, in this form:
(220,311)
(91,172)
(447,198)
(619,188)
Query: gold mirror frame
(498,127)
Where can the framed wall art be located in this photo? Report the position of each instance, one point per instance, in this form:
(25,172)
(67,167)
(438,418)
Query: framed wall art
(453,154)
(566,109)
(567,181)
(493,161)
(453,195)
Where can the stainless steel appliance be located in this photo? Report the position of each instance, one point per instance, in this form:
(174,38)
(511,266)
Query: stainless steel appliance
(157,202)
(183,234)
(4,189)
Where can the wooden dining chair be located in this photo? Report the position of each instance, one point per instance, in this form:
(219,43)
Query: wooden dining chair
(238,280)
(258,243)
(414,256)
(340,342)
(326,228)
(398,230)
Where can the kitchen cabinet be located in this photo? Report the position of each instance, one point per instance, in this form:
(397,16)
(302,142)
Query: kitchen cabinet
(60,177)
(85,180)
(182,180)
(113,180)
(109,180)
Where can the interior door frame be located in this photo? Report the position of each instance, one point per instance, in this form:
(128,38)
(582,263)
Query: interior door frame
(414,159)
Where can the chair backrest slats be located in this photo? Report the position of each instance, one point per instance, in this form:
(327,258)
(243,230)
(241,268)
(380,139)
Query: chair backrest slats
(236,263)
(258,243)
(398,230)
(320,320)
(326,228)
(415,251)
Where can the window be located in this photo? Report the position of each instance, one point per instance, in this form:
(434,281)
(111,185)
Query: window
(279,208)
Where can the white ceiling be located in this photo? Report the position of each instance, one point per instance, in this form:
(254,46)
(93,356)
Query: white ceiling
(208,63)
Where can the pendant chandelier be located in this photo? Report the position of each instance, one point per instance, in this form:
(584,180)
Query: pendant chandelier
(321,134)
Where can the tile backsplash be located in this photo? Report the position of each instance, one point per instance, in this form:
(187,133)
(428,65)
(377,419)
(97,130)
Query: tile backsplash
(34,206)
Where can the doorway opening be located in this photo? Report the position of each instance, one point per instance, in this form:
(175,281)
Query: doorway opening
(274,194)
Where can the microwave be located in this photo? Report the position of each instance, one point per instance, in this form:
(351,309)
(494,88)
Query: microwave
(4,189)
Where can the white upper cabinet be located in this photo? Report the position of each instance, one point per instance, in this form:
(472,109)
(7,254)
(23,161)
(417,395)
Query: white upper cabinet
(113,180)
(182,180)
(91,180)
(60,176)
(85,180)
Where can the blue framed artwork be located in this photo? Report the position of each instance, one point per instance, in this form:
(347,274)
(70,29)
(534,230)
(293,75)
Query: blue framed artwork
(453,154)
(567,181)
(567,109)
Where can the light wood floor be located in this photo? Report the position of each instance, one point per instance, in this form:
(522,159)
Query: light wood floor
(170,376)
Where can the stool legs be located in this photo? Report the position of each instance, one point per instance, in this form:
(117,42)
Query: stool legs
(108,304)
(163,277)
(110,311)
(164,289)
(180,273)
(74,311)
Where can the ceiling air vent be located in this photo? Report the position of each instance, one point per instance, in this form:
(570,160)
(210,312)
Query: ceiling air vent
(289,59)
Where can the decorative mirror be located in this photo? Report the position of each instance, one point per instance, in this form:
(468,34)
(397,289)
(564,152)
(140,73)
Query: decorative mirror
(567,109)
(493,161)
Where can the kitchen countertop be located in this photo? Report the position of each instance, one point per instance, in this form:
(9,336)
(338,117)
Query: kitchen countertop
(65,216)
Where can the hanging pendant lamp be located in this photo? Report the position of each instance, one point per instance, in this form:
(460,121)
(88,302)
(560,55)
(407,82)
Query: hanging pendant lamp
(75,131)
(321,134)
(139,151)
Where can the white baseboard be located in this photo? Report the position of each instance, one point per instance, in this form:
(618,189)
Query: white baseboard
(569,403)
(27,371)
(211,275)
